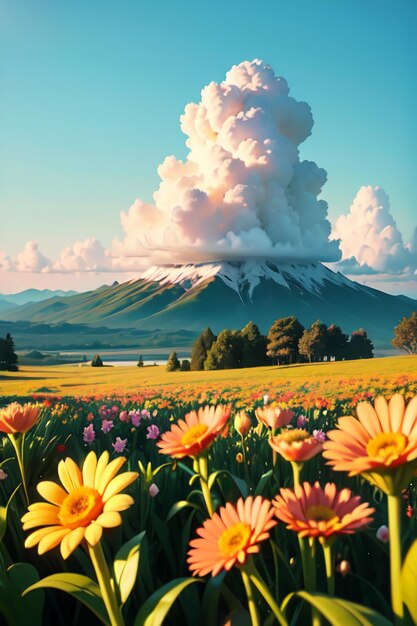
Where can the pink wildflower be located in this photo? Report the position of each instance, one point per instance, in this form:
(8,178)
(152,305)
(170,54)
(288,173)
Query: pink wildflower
(89,435)
(319,435)
(119,445)
(153,432)
(383,534)
(301,421)
(106,425)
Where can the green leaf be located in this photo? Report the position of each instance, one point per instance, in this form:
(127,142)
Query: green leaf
(126,565)
(3,514)
(181,505)
(263,481)
(338,611)
(211,598)
(80,587)
(240,484)
(409,581)
(156,608)
(20,611)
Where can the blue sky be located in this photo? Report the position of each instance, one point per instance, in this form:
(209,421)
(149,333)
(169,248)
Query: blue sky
(92,93)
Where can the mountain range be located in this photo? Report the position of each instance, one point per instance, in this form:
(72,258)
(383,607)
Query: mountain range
(226,295)
(10,301)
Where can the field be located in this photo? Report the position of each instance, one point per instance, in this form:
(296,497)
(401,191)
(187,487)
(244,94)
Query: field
(155,553)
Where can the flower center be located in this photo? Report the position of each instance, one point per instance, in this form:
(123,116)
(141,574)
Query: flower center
(80,507)
(387,446)
(292,436)
(321,513)
(194,434)
(234,539)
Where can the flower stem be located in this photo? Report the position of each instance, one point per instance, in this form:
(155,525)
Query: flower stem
(394,523)
(296,472)
(203,472)
(18,444)
(253,610)
(329,564)
(103,578)
(256,579)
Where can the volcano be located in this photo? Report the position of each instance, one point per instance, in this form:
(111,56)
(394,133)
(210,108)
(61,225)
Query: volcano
(227,295)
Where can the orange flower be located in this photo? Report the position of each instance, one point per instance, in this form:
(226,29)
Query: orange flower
(296,445)
(273,417)
(16,418)
(192,435)
(227,538)
(315,512)
(381,444)
(242,423)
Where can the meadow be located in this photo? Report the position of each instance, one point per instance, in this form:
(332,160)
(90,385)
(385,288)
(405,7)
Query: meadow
(178,514)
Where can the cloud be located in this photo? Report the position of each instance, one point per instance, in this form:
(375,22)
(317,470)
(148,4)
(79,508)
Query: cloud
(242,191)
(84,256)
(369,238)
(31,259)
(6,264)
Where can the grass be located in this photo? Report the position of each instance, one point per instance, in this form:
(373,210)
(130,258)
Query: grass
(86,380)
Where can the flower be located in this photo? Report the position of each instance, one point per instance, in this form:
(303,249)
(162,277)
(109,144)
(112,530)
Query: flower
(88,434)
(90,501)
(295,445)
(230,535)
(119,445)
(106,425)
(319,435)
(242,423)
(273,417)
(135,417)
(301,421)
(152,432)
(153,490)
(383,534)
(192,435)
(381,444)
(343,568)
(124,416)
(61,447)
(16,418)
(239,457)
(313,511)
(3,474)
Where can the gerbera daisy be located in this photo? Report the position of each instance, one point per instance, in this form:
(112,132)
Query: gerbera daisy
(192,435)
(229,536)
(296,445)
(16,418)
(90,501)
(315,512)
(273,417)
(381,443)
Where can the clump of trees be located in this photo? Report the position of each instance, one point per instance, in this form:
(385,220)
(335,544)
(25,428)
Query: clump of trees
(97,362)
(8,356)
(405,334)
(174,364)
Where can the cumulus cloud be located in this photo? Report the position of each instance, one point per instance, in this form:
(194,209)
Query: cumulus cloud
(31,259)
(370,241)
(6,264)
(84,256)
(242,191)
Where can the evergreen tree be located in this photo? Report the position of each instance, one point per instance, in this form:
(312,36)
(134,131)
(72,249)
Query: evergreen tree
(97,362)
(336,342)
(253,346)
(226,351)
(173,363)
(8,356)
(140,362)
(360,346)
(405,334)
(313,341)
(201,348)
(283,338)
(185,365)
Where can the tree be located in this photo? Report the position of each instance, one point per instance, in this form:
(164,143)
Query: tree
(360,346)
(185,365)
(253,346)
(97,362)
(405,334)
(336,342)
(201,348)
(226,351)
(283,338)
(8,356)
(173,363)
(140,363)
(313,341)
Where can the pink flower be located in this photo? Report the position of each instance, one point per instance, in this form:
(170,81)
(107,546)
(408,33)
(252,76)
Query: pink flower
(301,421)
(124,416)
(153,490)
(155,413)
(135,417)
(119,445)
(319,435)
(383,534)
(3,474)
(153,432)
(89,435)
(145,414)
(106,425)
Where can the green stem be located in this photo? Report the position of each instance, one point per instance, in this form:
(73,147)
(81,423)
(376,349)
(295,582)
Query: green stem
(203,472)
(103,578)
(329,564)
(256,579)
(243,449)
(18,447)
(394,524)
(253,610)
(296,472)
(308,562)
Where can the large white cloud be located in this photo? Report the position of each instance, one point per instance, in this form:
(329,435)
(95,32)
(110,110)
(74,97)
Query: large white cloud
(31,259)
(84,256)
(242,191)
(370,240)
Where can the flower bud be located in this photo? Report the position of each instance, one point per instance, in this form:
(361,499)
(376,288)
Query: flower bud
(242,423)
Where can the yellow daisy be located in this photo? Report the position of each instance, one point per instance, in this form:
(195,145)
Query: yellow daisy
(90,501)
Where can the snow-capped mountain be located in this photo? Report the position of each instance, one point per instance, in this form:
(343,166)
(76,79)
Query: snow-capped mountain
(228,295)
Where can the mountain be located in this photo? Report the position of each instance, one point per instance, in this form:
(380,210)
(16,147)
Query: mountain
(227,295)
(32,295)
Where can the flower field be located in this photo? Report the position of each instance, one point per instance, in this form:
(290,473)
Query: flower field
(267,496)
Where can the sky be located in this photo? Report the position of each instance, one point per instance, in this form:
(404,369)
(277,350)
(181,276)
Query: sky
(92,94)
